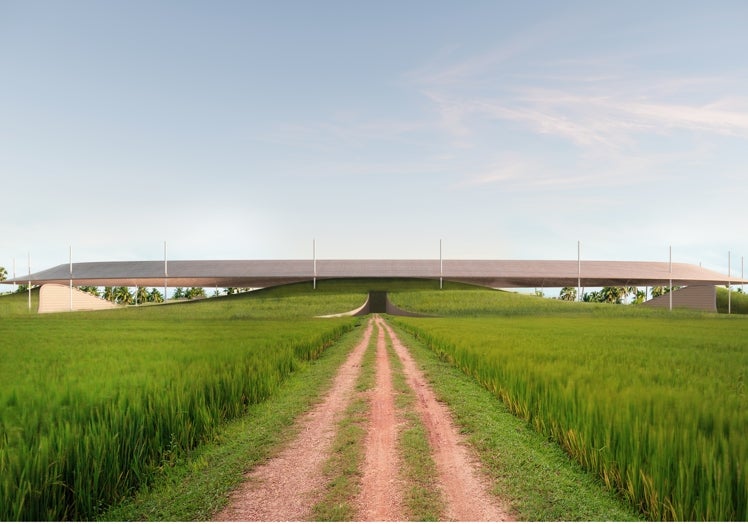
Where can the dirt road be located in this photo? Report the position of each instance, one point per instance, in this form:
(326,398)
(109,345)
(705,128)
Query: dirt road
(285,488)
(288,485)
(380,498)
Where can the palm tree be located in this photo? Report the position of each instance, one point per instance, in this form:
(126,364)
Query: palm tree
(195,292)
(663,290)
(109,294)
(639,297)
(3,274)
(141,295)
(122,295)
(611,294)
(658,291)
(568,293)
(91,290)
(155,296)
(594,296)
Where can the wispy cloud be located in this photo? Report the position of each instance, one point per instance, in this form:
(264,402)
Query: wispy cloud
(591,119)
(536,174)
(590,102)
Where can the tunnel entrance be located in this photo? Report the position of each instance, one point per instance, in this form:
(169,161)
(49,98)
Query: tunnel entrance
(378,302)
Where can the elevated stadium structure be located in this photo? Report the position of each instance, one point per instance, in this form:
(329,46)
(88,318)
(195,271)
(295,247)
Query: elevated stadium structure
(489,273)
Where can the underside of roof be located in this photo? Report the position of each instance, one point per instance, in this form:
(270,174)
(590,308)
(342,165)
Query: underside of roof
(266,273)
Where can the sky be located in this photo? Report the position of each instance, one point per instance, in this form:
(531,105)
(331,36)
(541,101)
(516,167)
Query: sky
(248,130)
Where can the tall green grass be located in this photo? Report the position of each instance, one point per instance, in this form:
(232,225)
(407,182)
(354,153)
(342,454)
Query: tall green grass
(483,302)
(738,302)
(17,304)
(91,405)
(656,406)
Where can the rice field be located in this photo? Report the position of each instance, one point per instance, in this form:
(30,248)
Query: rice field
(655,405)
(91,405)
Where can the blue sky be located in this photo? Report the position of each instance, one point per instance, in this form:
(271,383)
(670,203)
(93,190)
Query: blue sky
(246,129)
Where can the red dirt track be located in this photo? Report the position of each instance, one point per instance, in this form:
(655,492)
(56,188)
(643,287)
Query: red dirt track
(466,490)
(285,488)
(288,485)
(380,497)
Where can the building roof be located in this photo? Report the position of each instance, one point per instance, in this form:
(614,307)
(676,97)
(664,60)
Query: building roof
(265,273)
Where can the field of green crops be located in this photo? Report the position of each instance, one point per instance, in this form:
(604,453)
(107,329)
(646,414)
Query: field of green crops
(654,402)
(92,404)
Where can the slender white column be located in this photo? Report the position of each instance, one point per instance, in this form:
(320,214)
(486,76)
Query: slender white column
(166,271)
(670,270)
(729,284)
(441,266)
(314,262)
(579,270)
(29,281)
(71,277)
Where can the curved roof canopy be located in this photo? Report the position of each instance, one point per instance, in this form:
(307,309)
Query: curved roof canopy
(265,273)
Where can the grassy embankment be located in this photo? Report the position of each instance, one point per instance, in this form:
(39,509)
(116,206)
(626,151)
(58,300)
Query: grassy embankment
(652,401)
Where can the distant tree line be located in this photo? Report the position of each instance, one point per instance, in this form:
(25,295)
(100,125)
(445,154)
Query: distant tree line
(189,293)
(123,295)
(615,294)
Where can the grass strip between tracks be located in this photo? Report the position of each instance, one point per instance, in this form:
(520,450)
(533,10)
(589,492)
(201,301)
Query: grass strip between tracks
(343,468)
(532,474)
(196,486)
(422,497)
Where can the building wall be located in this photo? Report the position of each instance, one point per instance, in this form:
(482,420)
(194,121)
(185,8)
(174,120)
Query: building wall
(54,298)
(703,298)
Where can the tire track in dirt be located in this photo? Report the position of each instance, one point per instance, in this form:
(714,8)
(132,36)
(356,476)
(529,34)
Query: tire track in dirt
(466,490)
(286,486)
(380,498)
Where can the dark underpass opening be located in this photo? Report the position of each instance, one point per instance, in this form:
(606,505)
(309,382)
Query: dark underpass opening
(378,302)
